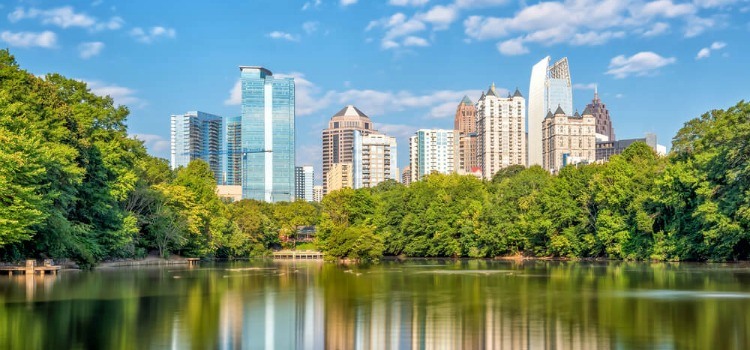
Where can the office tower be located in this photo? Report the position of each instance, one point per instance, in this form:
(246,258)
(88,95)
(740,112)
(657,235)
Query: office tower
(601,115)
(339,176)
(338,138)
(501,131)
(303,183)
(318,193)
(197,135)
(549,87)
(267,135)
(432,150)
(232,159)
(568,139)
(465,122)
(374,159)
(607,149)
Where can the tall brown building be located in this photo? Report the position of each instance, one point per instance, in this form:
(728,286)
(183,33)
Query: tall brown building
(601,114)
(338,138)
(465,123)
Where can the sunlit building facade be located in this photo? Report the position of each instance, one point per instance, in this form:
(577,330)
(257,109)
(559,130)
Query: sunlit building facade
(601,114)
(339,176)
(465,122)
(501,131)
(432,150)
(568,139)
(267,135)
(197,135)
(549,87)
(338,138)
(375,159)
(303,183)
(232,154)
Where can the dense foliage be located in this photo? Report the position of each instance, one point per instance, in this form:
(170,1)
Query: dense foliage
(73,184)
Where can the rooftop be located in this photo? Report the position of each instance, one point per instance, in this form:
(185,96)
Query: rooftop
(268,72)
(350,111)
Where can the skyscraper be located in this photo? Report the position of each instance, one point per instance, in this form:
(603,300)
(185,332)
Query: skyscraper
(465,122)
(339,176)
(432,150)
(501,131)
(568,139)
(338,138)
(601,114)
(267,135)
(303,183)
(549,87)
(318,193)
(197,135)
(374,159)
(232,159)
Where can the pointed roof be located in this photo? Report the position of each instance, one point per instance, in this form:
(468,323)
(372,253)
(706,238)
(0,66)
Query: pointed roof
(350,111)
(559,110)
(587,111)
(549,114)
(491,91)
(466,101)
(517,93)
(577,115)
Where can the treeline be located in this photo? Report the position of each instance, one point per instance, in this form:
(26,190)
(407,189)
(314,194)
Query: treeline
(74,185)
(692,205)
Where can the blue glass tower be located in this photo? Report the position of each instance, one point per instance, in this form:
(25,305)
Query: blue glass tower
(267,135)
(232,159)
(196,135)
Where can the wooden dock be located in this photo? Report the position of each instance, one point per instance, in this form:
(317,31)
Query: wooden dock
(298,255)
(31,268)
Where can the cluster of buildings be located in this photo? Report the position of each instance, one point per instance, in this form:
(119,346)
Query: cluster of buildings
(253,155)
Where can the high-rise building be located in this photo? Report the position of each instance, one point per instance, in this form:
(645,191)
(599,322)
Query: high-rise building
(318,193)
(339,176)
(465,122)
(197,135)
(374,159)
(267,135)
(549,87)
(232,159)
(501,131)
(338,138)
(432,150)
(406,175)
(607,149)
(601,115)
(568,139)
(303,183)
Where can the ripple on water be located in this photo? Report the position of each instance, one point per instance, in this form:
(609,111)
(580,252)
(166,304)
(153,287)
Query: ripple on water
(668,294)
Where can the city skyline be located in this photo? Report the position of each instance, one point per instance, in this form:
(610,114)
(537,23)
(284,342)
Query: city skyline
(655,63)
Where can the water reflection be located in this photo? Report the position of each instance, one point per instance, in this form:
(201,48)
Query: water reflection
(414,305)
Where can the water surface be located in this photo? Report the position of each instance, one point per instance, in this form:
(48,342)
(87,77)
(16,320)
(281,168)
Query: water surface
(421,304)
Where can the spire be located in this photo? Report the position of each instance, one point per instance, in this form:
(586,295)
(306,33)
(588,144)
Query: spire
(517,93)
(491,91)
(559,110)
(596,93)
(466,101)
(549,114)
(587,111)
(577,115)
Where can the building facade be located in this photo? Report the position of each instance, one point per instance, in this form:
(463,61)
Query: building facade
(568,139)
(501,131)
(232,154)
(406,176)
(549,87)
(465,122)
(338,138)
(607,149)
(318,193)
(432,150)
(374,159)
(339,176)
(303,183)
(268,152)
(601,115)
(197,135)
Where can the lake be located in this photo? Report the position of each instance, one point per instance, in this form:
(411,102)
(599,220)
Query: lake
(417,304)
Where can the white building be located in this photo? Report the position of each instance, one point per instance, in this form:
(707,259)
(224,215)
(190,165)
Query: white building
(303,182)
(568,139)
(549,87)
(196,135)
(374,159)
(318,193)
(432,150)
(501,131)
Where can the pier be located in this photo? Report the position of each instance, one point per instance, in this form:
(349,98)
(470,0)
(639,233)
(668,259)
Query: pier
(31,268)
(298,255)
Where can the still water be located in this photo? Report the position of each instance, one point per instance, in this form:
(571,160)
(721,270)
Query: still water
(423,304)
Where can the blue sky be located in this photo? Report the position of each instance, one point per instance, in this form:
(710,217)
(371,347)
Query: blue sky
(405,63)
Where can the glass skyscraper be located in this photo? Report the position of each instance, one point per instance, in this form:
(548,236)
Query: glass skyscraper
(196,135)
(304,176)
(232,153)
(267,135)
(549,87)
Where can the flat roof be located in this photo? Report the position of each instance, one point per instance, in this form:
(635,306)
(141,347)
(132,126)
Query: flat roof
(257,67)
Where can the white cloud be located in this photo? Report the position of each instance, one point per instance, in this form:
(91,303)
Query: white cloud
(657,29)
(235,94)
(407,2)
(512,47)
(439,16)
(114,23)
(154,143)
(640,64)
(589,86)
(45,39)
(479,3)
(63,17)
(348,2)
(120,94)
(282,36)
(706,51)
(696,26)
(415,41)
(713,3)
(311,4)
(90,49)
(310,27)
(665,8)
(152,34)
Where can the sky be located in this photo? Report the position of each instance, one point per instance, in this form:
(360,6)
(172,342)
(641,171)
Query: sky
(404,63)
